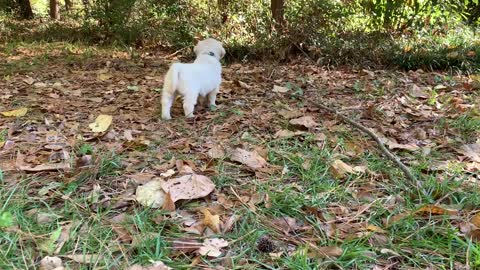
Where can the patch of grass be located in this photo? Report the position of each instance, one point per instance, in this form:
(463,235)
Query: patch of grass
(467,124)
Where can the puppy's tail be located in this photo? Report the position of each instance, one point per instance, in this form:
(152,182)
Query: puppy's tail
(171,80)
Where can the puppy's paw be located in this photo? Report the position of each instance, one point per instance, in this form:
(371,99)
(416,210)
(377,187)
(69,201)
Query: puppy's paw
(166,117)
(213,107)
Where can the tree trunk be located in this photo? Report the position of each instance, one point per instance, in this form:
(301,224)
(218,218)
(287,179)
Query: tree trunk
(25,9)
(54,14)
(223,6)
(68,5)
(277,8)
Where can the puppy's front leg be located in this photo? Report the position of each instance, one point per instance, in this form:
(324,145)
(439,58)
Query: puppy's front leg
(189,102)
(167,101)
(212,96)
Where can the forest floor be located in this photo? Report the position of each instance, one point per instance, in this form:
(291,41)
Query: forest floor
(294,186)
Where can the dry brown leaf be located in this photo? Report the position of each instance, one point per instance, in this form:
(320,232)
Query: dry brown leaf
(186,245)
(124,235)
(168,204)
(288,114)
(244,85)
(84,258)
(211,221)
(435,210)
(472,151)
(325,252)
(306,121)
(141,178)
(228,226)
(476,220)
(409,147)
(252,159)
(188,187)
(20,164)
(216,152)
(151,194)
(212,247)
(286,224)
(279,89)
(418,92)
(284,133)
(340,169)
(156,265)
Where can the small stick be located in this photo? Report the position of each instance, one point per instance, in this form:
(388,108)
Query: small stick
(382,147)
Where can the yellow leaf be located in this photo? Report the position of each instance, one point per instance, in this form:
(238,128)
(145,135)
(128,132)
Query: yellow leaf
(101,124)
(435,210)
(211,221)
(476,220)
(15,113)
(374,228)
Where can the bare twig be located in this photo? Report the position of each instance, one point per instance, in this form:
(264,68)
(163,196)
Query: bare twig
(382,147)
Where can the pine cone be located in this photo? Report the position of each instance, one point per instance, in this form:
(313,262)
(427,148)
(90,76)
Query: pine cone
(265,244)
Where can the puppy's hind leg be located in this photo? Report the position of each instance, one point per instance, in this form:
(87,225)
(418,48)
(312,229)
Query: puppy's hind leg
(189,102)
(167,101)
(212,96)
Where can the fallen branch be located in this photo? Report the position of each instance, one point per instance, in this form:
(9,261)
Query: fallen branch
(382,147)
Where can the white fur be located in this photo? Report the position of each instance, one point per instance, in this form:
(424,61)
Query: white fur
(200,78)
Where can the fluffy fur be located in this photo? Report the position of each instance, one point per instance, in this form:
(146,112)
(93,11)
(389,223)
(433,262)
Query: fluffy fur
(200,78)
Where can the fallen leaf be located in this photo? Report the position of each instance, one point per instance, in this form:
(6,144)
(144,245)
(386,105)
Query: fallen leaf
(168,173)
(279,89)
(212,247)
(151,194)
(286,224)
(472,151)
(51,263)
(325,252)
(244,85)
(305,121)
(252,159)
(374,228)
(418,92)
(29,80)
(104,76)
(284,133)
(101,124)
(409,147)
(141,178)
(435,210)
(157,265)
(230,223)
(216,152)
(20,164)
(475,220)
(211,221)
(15,113)
(340,169)
(188,187)
(124,235)
(84,258)
(186,245)
(168,204)
(288,114)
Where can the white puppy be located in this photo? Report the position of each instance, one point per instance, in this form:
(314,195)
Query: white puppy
(200,78)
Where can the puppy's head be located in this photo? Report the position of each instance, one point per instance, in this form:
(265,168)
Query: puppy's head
(209,46)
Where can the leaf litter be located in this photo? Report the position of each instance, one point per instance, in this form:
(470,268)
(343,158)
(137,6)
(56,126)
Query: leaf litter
(74,107)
